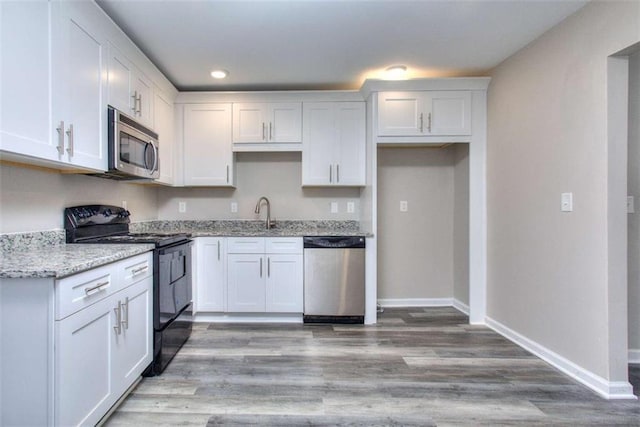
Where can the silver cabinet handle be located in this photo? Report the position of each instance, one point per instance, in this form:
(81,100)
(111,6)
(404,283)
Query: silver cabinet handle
(135,101)
(330,173)
(70,137)
(264,131)
(270,131)
(125,313)
(118,327)
(96,288)
(337,173)
(261,267)
(139,270)
(429,123)
(268,266)
(139,102)
(218,250)
(227,174)
(421,122)
(60,146)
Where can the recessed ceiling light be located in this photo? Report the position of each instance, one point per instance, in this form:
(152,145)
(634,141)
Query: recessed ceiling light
(219,74)
(396,71)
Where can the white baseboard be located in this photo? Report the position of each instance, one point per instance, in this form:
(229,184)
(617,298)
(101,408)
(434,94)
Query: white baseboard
(634,355)
(247,318)
(606,389)
(460,306)
(416,302)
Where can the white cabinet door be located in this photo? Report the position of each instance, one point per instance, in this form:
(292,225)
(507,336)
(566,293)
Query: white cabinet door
(143,96)
(318,144)
(350,147)
(400,113)
(208,156)
(424,113)
(267,122)
(84,388)
(25,98)
(163,124)
(249,122)
(245,283)
(133,346)
(79,52)
(285,122)
(449,112)
(119,82)
(333,150)
(211,280)
(284,287)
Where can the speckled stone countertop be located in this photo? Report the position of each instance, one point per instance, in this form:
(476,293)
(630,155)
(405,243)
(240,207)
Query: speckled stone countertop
(42,255)
(251,228)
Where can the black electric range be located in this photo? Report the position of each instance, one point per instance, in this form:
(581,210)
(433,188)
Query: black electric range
(172,295)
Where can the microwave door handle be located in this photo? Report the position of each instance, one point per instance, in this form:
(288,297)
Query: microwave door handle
(155,157)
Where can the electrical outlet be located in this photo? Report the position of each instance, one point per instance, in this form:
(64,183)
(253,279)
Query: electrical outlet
(631,204)
(182,207)
(334,207)
(124,204)
(234,207)
(566,202)
(351,207)
(404,206)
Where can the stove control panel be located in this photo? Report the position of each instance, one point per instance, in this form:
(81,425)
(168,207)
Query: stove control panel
(82,216)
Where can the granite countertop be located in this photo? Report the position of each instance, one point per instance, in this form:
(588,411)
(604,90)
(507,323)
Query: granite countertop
(251,228)
(60,260)
(44,254)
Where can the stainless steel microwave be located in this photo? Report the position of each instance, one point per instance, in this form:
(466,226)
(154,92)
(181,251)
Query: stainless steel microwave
(132,148)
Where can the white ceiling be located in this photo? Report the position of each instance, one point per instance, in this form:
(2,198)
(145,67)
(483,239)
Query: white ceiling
(324,44)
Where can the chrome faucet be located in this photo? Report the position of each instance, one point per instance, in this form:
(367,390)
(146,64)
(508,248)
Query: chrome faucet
(270,222)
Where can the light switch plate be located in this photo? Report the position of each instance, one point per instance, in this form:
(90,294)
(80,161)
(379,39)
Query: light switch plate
(566,202)
(404,206)
(124,204)
(234,207)
(334,207)
(631,204)
(182,207)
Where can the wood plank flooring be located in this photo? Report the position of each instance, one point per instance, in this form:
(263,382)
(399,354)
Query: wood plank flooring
(416,367)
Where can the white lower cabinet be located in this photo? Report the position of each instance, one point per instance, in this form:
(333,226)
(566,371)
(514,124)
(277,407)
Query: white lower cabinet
(265,275)
(210,284)
(82,342)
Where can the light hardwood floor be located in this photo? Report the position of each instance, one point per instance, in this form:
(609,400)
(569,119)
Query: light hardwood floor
(415,367)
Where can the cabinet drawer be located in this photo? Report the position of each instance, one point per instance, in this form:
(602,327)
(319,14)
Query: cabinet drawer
(136,268)
(245,245)
(83,289)
(283,245)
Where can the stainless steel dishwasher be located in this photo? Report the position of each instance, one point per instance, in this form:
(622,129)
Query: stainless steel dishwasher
(334,279)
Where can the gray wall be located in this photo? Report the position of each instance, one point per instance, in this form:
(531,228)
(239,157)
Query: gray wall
(634,190)
(420,251)
(461,223)
(33,199)
(277,176)
(547,134)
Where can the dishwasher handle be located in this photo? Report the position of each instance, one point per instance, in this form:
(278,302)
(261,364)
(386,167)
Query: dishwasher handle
(333,242)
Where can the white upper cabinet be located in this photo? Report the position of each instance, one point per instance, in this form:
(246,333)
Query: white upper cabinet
(79,52)
(129,90)
(334,144)
(267,123)
(208,157)
(163,124)
(52,83)
(426,113)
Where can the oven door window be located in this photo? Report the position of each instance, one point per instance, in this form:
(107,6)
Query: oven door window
(136,152)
